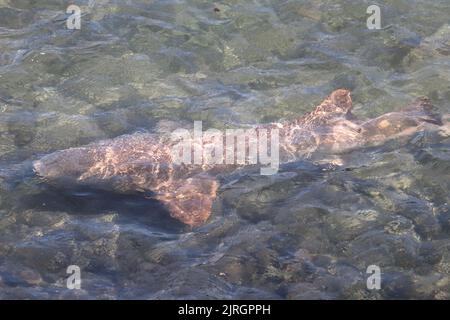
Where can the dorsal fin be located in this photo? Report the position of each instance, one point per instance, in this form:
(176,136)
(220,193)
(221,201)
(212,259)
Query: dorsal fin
(422,104)
(339,102)
(337,105)
(424,110)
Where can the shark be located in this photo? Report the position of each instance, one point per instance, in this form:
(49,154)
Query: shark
(145,161)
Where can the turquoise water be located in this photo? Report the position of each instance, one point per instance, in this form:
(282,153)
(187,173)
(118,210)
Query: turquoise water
(309,232)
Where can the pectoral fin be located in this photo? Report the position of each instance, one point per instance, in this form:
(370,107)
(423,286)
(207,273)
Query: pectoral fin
(190,200)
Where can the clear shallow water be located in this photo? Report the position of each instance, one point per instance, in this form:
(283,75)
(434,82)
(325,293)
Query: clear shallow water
(309,232)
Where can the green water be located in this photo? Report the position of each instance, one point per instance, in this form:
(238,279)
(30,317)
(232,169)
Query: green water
(308,232)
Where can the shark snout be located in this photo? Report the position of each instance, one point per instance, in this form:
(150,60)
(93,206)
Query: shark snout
(70,163)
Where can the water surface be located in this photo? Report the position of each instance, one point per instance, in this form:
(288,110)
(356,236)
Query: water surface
(310,231)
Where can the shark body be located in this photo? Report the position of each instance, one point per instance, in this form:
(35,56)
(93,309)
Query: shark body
(144,161)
